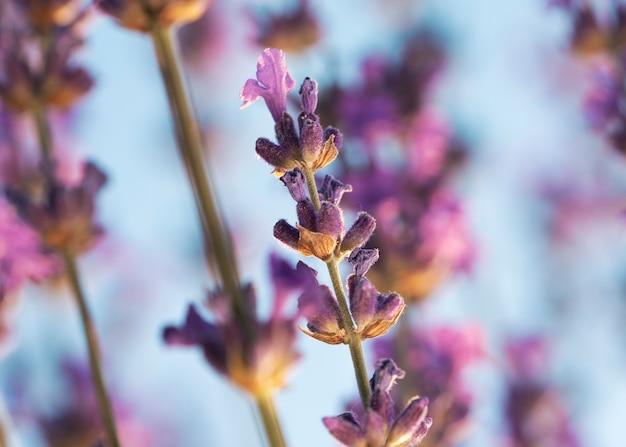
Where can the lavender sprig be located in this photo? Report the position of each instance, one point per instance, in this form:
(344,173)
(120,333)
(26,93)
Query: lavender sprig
(320,231)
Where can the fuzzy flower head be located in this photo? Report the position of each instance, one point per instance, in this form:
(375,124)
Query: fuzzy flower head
(434,361)
(64,216)
(144,15)
(260,364)
(373,312)
(321,233)
(310,147)
(294,30)
(380,426)
(30,76)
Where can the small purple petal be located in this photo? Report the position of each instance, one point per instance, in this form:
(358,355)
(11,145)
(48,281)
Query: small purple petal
(362,259)
(272,84)
(332,190)
(346,430)
(320,308)
(410,423)
(296,184)
(330,220)
(312,137)
(286,234)
(308,93)
(286,280)
(362,294)
(306,215)
(359,233)
(338,136)
(274,154)
(287,136)
(385,376)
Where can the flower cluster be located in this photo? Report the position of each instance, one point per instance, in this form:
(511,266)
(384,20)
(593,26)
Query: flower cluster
(381,427)
(39,39)
(258,358)
(434,360)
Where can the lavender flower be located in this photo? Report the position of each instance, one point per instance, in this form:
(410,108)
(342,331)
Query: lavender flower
(380,426)
(32,76)
(312,147)
(373,313)
(143,15)
(65,216)
(434,361)
(321,233)
(535,411)
(45,14)
(294,30)
(259,364)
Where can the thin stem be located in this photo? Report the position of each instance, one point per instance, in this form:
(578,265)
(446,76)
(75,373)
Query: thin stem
(265,404)
(92,344)
(44,133)
(190,148)
(354,341)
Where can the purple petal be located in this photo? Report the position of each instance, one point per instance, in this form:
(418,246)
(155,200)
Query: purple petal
(410,423)
(330,220)
(362,259)
(308,93)
(296,184)
(359,233)
(272,84)
(312,137)
(286,280)
(273,154)
(363,295)
(321,310)
(332,190)
(286,234)
(346,430)
(385,376)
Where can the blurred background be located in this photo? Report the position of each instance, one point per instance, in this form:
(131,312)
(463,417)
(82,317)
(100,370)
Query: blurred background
(542,198)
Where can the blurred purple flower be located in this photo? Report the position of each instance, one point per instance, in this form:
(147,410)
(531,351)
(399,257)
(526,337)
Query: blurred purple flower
(65,217)
(294,30)
(535,412)
(259,363)
(380,427)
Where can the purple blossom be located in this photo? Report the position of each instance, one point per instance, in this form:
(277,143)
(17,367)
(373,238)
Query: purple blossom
(310,147)
(294,30)
(434,361)
(536,413)
(380,426)
(258,358)
(65,218)
(273,82)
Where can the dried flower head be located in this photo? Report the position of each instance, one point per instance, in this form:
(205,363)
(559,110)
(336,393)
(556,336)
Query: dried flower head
(259,364)
(380,426)
(64,216)
(143,15)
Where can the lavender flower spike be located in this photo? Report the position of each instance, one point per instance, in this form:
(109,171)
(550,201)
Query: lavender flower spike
(380,427)
(273,82)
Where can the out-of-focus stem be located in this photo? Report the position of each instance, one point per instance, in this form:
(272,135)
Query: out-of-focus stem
(354,342)
(44,133)
(92,344)
(190,148)
(267,410)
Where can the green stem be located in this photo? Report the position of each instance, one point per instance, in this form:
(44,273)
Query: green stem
(92,344)
(190,148)
(265,404)
(354,341)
